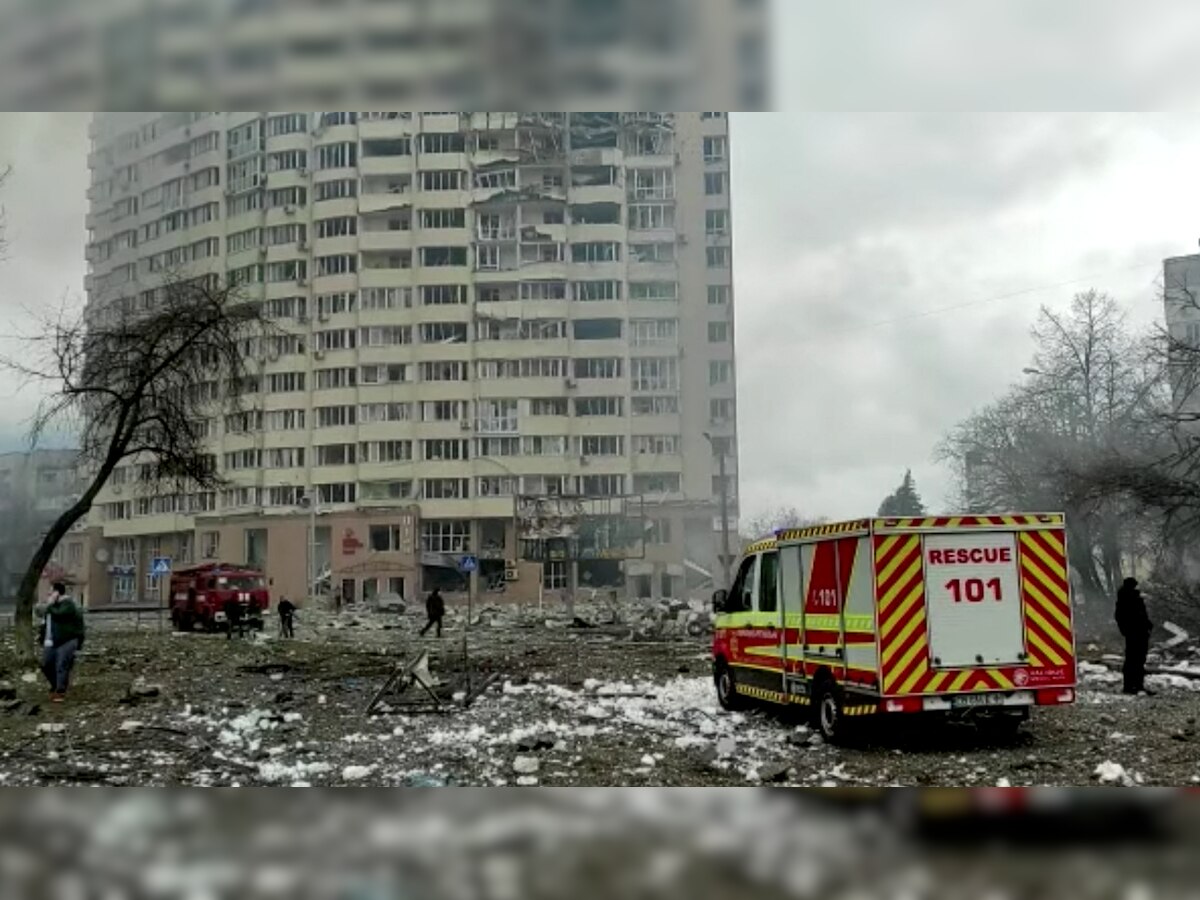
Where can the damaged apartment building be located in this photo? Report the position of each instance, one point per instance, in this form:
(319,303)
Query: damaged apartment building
(478,309)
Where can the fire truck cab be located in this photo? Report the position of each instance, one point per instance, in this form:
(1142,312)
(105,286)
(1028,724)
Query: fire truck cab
(965,615)
(200,595)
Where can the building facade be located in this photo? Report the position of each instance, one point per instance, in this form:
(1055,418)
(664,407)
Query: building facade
(475,307)
(36,487)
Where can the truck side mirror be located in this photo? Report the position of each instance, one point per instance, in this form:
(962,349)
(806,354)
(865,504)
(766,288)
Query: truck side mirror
(718,600)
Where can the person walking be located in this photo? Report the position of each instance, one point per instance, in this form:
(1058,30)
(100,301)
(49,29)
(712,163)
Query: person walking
(287,613)
(62,634)
(233,618)
(435,609)
(1135,626)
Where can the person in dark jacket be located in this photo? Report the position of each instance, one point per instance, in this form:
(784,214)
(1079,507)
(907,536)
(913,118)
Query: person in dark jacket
(1134,623)
(62,637)
(287,614)
(435,609)
(234,621)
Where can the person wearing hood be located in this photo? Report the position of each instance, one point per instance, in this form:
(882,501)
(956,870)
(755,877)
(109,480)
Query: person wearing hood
(62,637)
(1135,626)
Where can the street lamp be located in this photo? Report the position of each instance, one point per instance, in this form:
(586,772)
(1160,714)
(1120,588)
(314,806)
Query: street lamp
(725,559)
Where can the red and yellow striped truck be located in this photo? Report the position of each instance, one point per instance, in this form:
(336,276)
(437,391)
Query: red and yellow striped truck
(961,615)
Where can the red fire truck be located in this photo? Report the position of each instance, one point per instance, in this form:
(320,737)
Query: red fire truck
(960,615)
(199,595)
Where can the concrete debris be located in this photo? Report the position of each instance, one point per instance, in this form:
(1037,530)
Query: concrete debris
(526,765)
(29,677)
(7,690)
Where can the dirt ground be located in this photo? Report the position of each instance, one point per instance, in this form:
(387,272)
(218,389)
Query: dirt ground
(567,707)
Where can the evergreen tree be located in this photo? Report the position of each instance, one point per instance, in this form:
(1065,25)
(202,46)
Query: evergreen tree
(904,501)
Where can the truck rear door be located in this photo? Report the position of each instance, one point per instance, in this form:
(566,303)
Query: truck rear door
(973,596)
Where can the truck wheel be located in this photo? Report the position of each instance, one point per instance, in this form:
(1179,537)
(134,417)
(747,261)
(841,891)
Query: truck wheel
(727,694)
(827,712)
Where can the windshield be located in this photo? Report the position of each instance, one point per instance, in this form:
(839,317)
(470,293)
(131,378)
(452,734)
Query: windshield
(243,582)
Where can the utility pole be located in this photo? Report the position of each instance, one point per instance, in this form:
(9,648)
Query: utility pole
(725,558)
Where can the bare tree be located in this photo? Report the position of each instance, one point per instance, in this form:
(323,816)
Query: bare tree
(772,520)
(1087,399)
(138,381)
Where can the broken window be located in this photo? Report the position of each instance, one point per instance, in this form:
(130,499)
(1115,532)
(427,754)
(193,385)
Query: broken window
(596,129)
(596,251)
(602,485)
(594,176)
(597,290)
(443,142)
(597,329)
(443,294)
(654,290)
(655,373)
(444,332)
(442,180)
(601,445)
(648,332)
(443,256)
(657,252)
(495,227)
(656,483)
(543,290)
(443,218)
(603,367)
(598,406)
(652,184)
(596,214)
(651,141)
(660,405)
(393,147)
(487,259)
(444,371)
(497,179)
(445,536)
(716,222)
(651,216)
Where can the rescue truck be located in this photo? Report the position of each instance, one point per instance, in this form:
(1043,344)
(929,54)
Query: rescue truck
(199,595)
(964,616)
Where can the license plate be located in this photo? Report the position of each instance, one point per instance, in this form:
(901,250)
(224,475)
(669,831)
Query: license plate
(962,700)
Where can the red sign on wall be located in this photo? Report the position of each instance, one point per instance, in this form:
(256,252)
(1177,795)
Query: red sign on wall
(350,543)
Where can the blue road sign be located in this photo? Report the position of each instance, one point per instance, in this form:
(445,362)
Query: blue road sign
(160,565)
(468,564)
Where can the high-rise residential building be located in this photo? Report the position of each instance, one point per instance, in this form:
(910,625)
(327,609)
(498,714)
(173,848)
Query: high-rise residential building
(475,307)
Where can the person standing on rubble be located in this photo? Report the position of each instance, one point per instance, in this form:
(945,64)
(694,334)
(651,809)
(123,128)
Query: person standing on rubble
(1135,626)
(435,610)
(287,615)
(62,637)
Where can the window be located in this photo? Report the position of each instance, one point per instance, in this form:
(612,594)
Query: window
(283,197)
(447,142)
(487,258)
(383,491)
(384,538)
(283,420)
(721,409)
(714,183)
(445,536)
(243,240)
(393,147)
(768,571)
(443,256)
(284,234)
(596,251)
(658,531)
(334,416)
(336,493)
(444,449)
(548,406)
(287,270)
(596,329)
(651,184)
(649,216)
(601,445)
(339,264)
(334,339)
(597,290)
(329,119)
(330,304)
(718,332)
(287,160)
(339,226)
(329,379)
(337,156)
(729,487)
(741,595)
(551,290)
(597,406)
(442,180)
(444,332)
(283,458)
(720,371)
(496,486)
(384,412)
(657,444)
(285,382)
(602,485)
(545,445)
(496,416)
(384,373)
(443,411)
(292,123)
(716,222)
(1191,334)
(335,454)
(718,294)
(496,179)
(604,367)
(655,373)
(717,257)
(444,371)
(497,446)
(336,190)
(716,149)
(661,405)
(650,332)
(443,295)
(385,298)
(554,575)
(443,218)
(656,483)
(446,488)
(385,451)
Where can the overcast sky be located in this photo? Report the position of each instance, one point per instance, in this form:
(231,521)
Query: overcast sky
(856,235)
